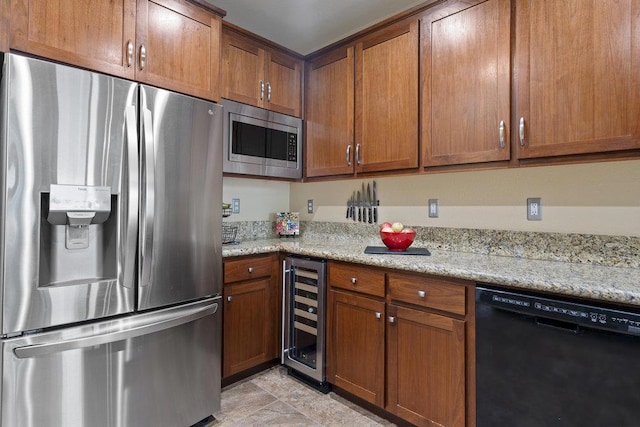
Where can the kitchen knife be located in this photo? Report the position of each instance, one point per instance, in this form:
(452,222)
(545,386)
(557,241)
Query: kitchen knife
(359,203)
(365,203)
(375,203)
(348,208)
(353,204)
(370,204)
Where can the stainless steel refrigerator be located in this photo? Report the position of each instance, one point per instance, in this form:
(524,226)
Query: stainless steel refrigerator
(110,250)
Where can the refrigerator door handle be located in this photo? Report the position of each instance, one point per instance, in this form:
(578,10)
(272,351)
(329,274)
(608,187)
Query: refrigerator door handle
(149,193)
(132,192)
(155,325)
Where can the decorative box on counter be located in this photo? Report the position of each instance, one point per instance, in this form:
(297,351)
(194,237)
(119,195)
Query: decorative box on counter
(287,224)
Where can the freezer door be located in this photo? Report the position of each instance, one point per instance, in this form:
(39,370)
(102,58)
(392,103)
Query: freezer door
(158,369)
(69,194)
(181,198)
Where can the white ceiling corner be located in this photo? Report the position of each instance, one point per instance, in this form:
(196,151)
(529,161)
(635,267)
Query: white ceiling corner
(305,26)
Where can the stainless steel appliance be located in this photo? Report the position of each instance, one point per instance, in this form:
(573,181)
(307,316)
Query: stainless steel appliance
(303,319)
(552,361)
(110,269)
(261,142)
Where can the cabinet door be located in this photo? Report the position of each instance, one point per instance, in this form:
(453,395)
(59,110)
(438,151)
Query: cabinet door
(466,81)
(355,358)
(248,326)
(178,47)
(577,76)
(329,114)
(89,33)
(425,367)
(387,99)
(284,84)
(242,70)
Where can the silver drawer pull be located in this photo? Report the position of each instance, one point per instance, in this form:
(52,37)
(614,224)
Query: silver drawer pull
(501,132)
(392,319)
(354,280)
(521,131)
(229,298)
(378,315)
(250,269)
(422,294)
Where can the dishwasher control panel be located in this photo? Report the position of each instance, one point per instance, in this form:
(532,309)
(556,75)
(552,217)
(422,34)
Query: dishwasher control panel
(564,310)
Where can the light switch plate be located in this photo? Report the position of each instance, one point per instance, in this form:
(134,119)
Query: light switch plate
(235,206)
(434,208)
(534,209)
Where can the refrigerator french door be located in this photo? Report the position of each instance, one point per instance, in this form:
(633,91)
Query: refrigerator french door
(110,256)
(303,318)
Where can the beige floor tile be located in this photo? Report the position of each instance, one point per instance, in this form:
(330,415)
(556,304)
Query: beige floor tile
(277,382)
(242,400)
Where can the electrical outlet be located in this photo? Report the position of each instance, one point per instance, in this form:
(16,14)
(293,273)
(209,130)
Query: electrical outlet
(434,208)
(310,206)
(235,206)
(534,209)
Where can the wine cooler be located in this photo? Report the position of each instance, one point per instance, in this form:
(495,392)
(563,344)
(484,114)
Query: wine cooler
(303,319)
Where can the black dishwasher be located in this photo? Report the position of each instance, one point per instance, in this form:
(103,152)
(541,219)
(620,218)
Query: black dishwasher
(547,361)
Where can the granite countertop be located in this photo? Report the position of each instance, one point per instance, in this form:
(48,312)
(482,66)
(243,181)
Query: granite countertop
(597,282)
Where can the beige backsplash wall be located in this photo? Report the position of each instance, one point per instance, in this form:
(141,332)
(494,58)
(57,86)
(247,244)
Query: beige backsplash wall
(596,198)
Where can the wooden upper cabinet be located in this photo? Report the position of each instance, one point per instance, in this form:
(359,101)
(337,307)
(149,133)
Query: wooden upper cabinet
(94,34)
(178,47)
(387,98)
(577,76)
(256,75)
(465,83)
(172,44)
(329,114)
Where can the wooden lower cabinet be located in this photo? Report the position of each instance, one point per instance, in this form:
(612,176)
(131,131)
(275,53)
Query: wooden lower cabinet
(406,353)
(251,314)
(425,367)
(356,353)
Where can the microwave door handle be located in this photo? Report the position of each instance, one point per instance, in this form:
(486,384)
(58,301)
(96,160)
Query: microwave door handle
(131,229)
(149,195)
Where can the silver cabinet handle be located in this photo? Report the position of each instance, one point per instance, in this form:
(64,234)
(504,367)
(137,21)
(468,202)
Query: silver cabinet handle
(354,280)
(358,160)
(268,91)
(261,90)
(250,269)
(521,131)
(422,294)
(129,53)
(143,57)
(229,298)
(392,319)
(501,133)
(348,155)
(378,315)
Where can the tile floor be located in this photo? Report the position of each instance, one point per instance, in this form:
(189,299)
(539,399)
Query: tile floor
(273,397)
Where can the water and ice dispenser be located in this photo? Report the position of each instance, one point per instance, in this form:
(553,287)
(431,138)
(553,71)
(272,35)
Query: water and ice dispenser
(78,235)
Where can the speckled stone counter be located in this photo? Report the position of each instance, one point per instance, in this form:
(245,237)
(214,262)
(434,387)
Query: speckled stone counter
(611,284)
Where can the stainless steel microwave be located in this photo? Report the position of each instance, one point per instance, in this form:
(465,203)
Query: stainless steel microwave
(261,142)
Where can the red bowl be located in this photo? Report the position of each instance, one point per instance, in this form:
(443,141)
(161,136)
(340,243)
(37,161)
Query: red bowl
(397,241)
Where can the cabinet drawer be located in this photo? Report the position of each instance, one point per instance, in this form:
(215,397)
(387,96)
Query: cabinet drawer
(247,268)
(431,292)
(359,279)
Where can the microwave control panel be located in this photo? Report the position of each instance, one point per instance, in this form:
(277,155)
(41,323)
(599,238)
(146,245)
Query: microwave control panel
(292,148)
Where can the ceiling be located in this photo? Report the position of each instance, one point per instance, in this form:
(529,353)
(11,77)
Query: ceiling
(305,26)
